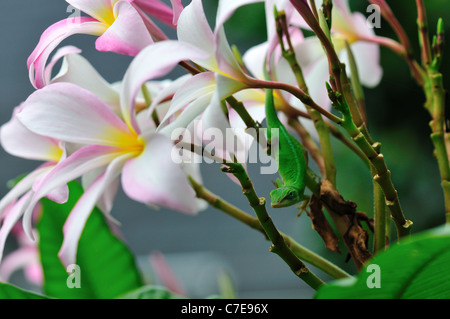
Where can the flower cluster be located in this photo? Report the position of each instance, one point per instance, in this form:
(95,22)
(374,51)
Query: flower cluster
(121,135)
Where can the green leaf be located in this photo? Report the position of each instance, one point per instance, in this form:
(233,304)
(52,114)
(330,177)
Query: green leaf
(416,268)
(8,291)
(107,267)
(151,292)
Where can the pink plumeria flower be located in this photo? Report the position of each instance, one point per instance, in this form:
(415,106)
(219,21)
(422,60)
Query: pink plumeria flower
(17,140)
(127,146)
(119,26)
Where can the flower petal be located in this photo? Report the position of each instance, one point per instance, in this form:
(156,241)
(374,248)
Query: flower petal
(79,163)
(177,7)
(167,92)
(61,53)
(193,28)
(74,225)
(194,88)
(77,70)
(52,37)
(226,8)
(226,60)
(255,58)
(158,9)
(127,35)
(12,215)
(154,177)
(19,141)
(26,258)
(309,51)
(23,186)
(226,86)
(367,57)
(105,203)
(185,118)
(102,10)
(154,61)
(69,113)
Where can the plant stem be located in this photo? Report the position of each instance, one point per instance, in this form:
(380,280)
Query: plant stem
(379,241)
(356,84)
(298,93)
(423,32)
(435,98)
(361,122)
(240,109)
(300,251)
(341,137)
(381,174)
(279,245)
(436,106)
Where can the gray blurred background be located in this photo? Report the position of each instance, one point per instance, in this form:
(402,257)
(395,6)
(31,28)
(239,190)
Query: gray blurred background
(199,248)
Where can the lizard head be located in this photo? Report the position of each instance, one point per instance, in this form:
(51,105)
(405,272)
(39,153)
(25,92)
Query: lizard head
(284,197)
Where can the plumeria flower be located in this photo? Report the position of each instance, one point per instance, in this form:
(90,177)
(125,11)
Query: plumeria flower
(17,140)
(120,25)
(77,70)
(230,76)
(347,26)
(201,94)
(354,29)
(127,146)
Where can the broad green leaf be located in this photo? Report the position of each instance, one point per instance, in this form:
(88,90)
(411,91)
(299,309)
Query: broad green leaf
(151,292)
(8,291)
(416,268)
(107,267)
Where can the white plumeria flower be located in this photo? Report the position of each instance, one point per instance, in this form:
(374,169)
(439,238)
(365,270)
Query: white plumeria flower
(347,26)
(199,96)
(126,146)
(120,25)
(17,140)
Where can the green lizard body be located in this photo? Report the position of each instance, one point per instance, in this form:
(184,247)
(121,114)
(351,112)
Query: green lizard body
(290,158)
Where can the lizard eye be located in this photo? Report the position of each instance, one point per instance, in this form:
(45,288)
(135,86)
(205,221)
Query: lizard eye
(291,194)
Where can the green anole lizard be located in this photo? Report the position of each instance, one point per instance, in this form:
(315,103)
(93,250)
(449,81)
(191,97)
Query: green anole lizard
(290,158)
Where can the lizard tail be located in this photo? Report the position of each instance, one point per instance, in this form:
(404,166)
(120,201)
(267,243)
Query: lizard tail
(271,113)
